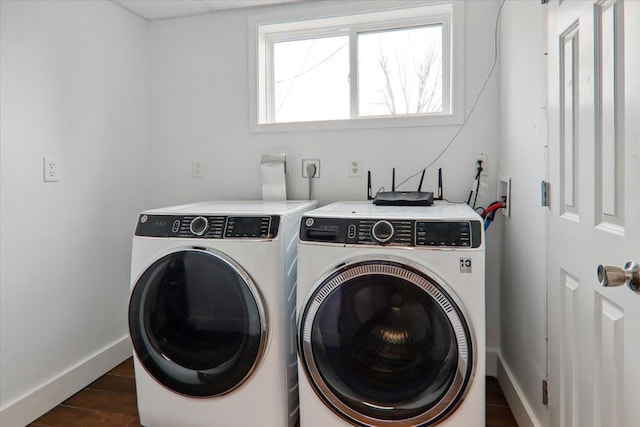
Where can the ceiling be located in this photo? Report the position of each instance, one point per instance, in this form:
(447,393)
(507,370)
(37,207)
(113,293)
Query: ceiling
(154,10)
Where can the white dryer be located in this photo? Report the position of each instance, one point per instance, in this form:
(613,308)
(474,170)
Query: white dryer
(391,316)
(211,311)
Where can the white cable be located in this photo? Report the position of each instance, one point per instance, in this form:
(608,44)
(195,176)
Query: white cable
(473,107)
(311,172)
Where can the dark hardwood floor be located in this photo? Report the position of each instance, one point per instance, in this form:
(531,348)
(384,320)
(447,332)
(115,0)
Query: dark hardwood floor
(498,412)
(111,402)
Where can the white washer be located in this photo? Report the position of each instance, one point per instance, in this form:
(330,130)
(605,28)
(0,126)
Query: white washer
(391,316)
(212,314)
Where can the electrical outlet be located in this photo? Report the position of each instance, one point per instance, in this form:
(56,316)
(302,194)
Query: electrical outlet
(50,169)
(483,158)
(197,169)
(307,162)
(354,168)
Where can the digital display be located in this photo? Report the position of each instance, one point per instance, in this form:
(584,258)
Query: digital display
(443,233)
(244,226)
(154,225)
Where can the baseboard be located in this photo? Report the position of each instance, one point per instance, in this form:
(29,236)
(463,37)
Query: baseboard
(28,408)
(520,407)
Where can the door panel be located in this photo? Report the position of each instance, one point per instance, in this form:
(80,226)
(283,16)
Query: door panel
(609,135)
(570,338)
(570,72)
(609,363)
(594,216)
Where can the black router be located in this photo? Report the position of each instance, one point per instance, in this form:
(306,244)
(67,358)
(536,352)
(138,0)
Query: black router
(402,198)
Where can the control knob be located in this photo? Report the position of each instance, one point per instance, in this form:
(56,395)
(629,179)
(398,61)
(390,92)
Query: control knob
(382,232)
(199,226)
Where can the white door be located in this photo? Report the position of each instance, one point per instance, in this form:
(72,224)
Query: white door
(594,214)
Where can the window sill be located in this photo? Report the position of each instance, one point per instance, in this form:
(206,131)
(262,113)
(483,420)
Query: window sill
(359,123)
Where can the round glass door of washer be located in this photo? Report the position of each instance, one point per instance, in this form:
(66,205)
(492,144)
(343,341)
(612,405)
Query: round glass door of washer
(384,343)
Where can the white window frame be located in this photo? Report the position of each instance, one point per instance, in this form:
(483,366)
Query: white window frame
(349,19)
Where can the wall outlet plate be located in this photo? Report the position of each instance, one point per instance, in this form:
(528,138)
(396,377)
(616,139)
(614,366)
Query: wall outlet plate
(197,169)
(504,190)
(50,169)
(483,158)
(307,162)
(355,170)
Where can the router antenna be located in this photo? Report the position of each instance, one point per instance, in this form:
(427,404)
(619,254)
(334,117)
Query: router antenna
(421,179)
(393,180)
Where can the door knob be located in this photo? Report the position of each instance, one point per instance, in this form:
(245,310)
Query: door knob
(610,276)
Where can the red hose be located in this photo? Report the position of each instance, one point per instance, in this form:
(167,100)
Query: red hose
(492,207)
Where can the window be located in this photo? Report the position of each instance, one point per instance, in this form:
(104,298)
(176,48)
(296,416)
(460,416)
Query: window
(400,71)
(311,69)
(355,68)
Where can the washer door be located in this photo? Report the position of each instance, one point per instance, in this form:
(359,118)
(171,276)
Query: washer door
(197,323)
(383,343)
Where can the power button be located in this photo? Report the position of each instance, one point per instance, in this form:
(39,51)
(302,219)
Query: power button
(351,231)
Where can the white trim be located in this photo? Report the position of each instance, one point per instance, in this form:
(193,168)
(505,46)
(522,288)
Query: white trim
(357,123)
(520,407)
(354,79)
(337,16)
(26,409)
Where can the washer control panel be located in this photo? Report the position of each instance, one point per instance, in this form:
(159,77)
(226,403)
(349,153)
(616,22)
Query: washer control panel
(435,233)
(392,232)
(208,227)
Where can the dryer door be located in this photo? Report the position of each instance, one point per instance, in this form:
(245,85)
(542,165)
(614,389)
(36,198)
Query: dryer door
(197,323)
(383,343)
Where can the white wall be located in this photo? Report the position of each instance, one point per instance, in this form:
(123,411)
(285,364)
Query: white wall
(200,110)
(523,138)
(74,84)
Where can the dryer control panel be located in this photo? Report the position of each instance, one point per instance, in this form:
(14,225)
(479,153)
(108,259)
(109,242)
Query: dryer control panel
(208,226)
(392,232)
